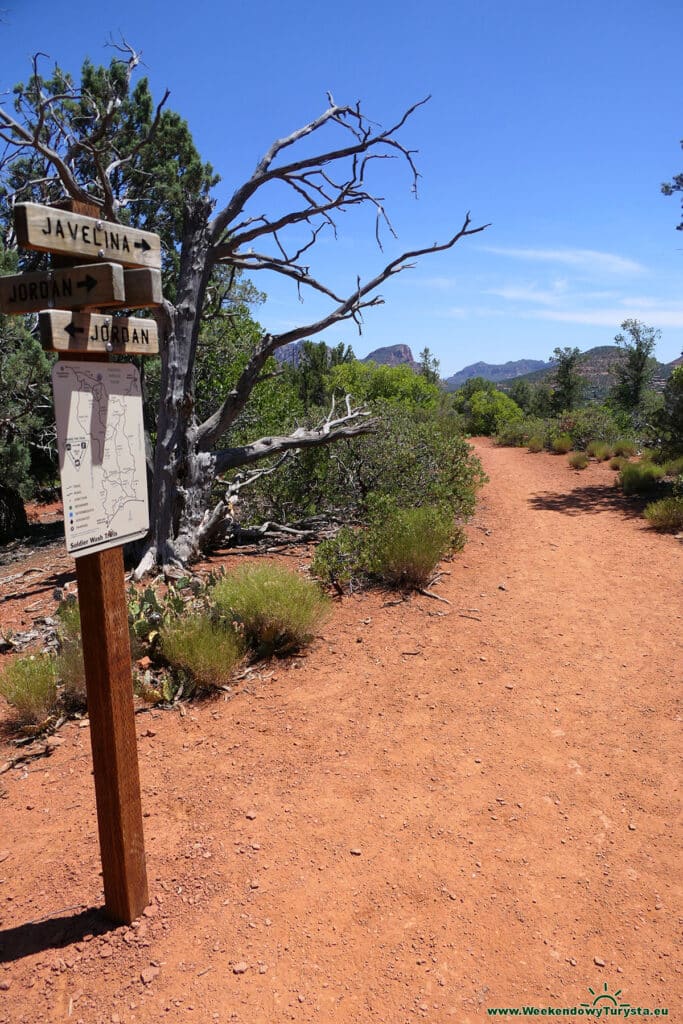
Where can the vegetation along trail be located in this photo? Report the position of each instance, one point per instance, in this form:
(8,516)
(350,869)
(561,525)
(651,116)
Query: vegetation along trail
(442,808)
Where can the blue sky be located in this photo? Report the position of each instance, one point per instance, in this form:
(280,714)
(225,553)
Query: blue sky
(555,121)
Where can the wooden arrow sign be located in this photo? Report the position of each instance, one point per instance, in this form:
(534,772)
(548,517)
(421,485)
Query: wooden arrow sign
(143,288)
(48,229)
(97,284)
(95,332)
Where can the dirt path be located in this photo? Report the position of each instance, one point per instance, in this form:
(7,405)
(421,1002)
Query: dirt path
(441,809)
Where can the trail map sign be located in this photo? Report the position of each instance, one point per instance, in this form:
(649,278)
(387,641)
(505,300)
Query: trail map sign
(51,230)
(98,408)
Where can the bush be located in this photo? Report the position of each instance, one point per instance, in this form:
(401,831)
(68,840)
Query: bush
(640,477)
(590,423)
(69,663)
(204,650)
(414,458)
(578,460)
(618,462)
(674,467)
(599,450)
(405,548)
(665,515)
(341,561)
(489,412)
(29,685)
(625,448)
(277,610)
(562,444)
(535,444)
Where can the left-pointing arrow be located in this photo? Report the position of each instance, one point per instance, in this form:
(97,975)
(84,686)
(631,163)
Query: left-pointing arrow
(89,283)
(72,330)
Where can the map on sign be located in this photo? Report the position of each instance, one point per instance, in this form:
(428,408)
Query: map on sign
(98,408)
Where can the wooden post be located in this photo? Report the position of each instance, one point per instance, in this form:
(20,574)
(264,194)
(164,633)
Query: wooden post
(109,686)
(106,653)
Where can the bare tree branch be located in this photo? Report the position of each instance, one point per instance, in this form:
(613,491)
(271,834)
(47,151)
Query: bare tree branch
(351,424)
(210,432)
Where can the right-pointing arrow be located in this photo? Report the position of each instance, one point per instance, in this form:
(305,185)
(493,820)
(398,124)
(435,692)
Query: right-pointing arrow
(89,283)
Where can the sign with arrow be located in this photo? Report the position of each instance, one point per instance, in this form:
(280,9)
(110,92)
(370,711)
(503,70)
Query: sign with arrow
(96,332)
(48,229)
(97,284)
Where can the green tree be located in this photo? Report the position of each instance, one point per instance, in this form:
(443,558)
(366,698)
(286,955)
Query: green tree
(429,366)
(104,142)
(521,392)
(488,411)
(669,419)
(370,383)
(312,375)
(569,384)
(26,452)
(675,185)
(636,366)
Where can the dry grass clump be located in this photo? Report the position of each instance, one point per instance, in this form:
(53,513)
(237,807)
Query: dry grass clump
(29,685)
(535,444)
(276,609)
(578,460)
(640,477)
(407,546)
(206,651)
(562,444)
(665,515)
(599,450)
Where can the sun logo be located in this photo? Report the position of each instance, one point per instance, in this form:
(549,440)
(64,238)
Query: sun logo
(606,998)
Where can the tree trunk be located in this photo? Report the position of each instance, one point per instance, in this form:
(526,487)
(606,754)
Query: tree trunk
(178,473)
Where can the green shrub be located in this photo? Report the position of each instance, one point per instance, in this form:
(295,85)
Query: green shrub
(405,547)
(276,608)
(341,561)
(640,477)
(618,462)
(562,444)
(535,444)
(578,460)
(69,663)
(625,448)
(416,457)
(204,650)
(29,686)
(599,450)
(594,422)
(665,515)
(674,467)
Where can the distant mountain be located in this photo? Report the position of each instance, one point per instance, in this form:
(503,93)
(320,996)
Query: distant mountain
(393,355)
(497,371)
(290,354)
(595,366)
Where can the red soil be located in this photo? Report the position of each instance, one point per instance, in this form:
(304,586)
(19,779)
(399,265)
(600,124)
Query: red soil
(442,808)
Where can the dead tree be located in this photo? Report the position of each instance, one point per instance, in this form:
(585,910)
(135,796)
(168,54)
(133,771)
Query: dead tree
(191,455)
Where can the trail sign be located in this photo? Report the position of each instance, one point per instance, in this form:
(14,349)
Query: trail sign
(98,409)
(101,442)
(98,284)
(143,288)
(96,332)
(51,230)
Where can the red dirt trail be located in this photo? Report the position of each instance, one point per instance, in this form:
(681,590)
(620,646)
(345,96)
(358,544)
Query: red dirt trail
(442,808)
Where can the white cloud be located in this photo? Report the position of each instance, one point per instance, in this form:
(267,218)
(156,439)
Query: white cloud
(587,260)
(652,314)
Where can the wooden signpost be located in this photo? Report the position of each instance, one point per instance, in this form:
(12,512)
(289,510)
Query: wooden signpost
(75,234)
